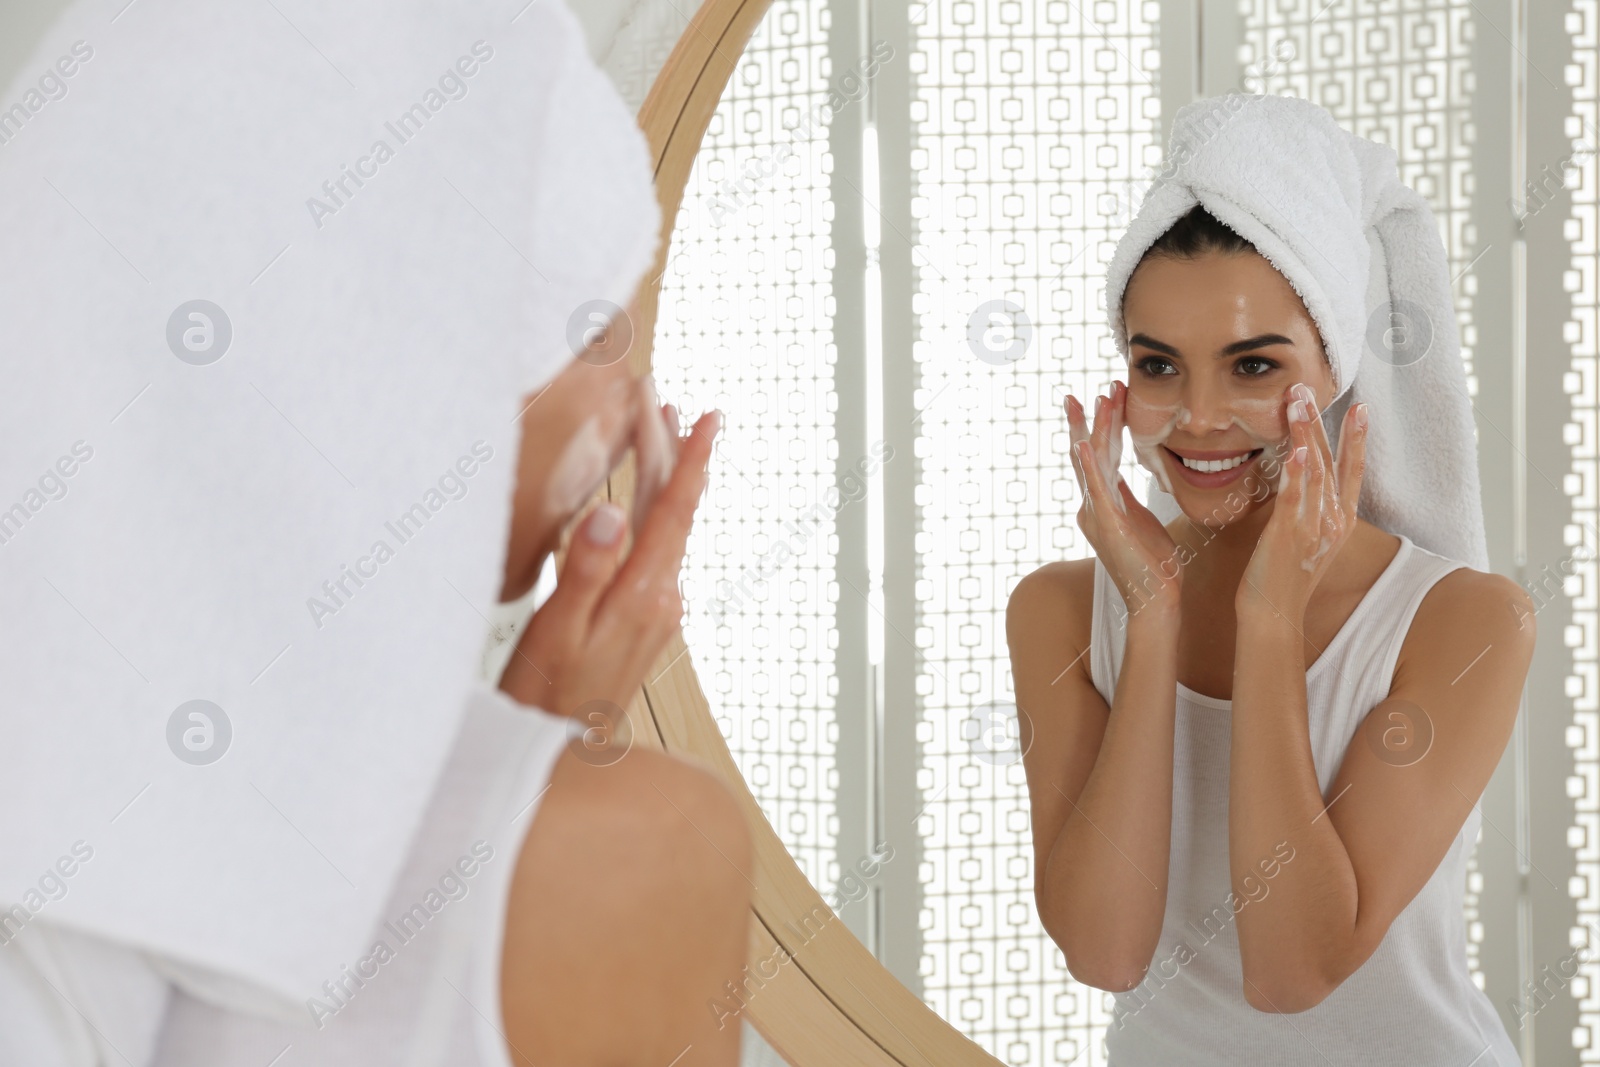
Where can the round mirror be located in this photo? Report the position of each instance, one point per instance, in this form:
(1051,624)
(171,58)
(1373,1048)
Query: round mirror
(888,231)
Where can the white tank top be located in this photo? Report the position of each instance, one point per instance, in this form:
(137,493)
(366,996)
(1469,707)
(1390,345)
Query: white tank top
(1413,1001)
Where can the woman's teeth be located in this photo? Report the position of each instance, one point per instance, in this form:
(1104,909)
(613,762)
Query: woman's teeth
(1211,466)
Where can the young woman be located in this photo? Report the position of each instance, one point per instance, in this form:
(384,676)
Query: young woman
(385,860)
(1255,736)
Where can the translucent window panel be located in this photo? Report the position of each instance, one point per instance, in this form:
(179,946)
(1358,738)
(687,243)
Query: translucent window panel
(1402,78)
(1577,579)
(1030,124)
(745,326)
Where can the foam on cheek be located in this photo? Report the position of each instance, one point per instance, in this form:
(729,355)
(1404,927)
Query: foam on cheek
(1262,422)
(580,470)
(1258,418)
(1147,446)
(1261,419)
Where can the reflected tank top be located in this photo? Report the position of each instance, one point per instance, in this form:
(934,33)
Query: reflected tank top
(1413,1001)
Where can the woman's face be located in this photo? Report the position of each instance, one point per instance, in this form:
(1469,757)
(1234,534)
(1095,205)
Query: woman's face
(1212,345)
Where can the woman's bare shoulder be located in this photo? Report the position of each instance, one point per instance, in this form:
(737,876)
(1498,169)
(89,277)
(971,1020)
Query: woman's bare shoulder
(1475,609)
(1054,600)
(1480,595)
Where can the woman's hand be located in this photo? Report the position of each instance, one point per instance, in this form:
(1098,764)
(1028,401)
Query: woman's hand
(1315,510)
(608,619)
(575,431)
(1135,548)
(655,449)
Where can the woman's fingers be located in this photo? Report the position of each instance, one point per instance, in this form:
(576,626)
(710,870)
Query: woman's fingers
(1097,434)
(1322,490)
(1298,433)
(1104,440)
(1317,439)
(1096,492)
(648,581)
(1291,486)
(1081,434)
(1118,413)
(593,555)
(1105,447)
(540,671)
(1077,431)
(1352,461)
(654,451)
(603,624)
(1308,477)
(1316,498)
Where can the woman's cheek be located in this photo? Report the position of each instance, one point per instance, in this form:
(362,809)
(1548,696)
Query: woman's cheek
(1263,421)
(578,472)
(1149,425)
(1262,418)
(592,453)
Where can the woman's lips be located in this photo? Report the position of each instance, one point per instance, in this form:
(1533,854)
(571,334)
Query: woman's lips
(1211,479)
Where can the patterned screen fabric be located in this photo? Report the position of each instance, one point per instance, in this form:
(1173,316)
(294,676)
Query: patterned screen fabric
(745,326)
(1033,124)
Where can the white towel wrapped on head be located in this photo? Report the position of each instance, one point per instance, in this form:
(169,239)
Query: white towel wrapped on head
(279,278)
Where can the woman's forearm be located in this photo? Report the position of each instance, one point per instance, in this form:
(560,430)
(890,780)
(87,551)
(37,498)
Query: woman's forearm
(1104,889)
(1299,924)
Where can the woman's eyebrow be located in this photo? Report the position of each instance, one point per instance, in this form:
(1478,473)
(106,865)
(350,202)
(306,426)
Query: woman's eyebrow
(1234,349)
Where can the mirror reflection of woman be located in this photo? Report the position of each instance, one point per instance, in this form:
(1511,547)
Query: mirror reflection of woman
(1189,690)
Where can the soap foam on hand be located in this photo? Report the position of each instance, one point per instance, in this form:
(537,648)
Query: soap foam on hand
(1111,462)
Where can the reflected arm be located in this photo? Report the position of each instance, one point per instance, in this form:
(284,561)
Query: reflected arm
(1099,778)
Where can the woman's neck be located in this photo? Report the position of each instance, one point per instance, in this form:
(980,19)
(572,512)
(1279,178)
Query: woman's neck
(1214,558)
(1219,553)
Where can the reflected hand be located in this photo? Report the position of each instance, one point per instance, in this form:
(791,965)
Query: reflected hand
(608,619)
(1134,547)
(1313,515)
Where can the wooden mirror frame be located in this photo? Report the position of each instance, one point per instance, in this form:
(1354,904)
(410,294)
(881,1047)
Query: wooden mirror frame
(813,991)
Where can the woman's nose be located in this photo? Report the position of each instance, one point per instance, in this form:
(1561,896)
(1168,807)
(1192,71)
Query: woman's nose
(1207,408)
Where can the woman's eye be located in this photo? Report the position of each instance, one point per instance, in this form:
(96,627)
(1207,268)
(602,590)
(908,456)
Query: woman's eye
(1249,366)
